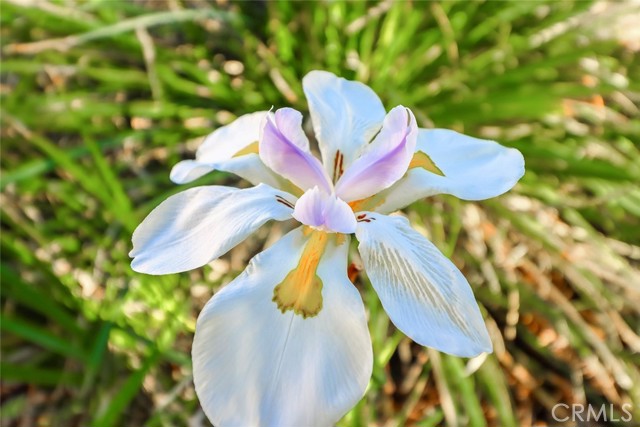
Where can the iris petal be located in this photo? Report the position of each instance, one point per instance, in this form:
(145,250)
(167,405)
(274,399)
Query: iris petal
(222,150)
(285,149)
(196,226)
(346,115)
(256,366)
(466,167)
(422,291)
(385,160)
(325,211)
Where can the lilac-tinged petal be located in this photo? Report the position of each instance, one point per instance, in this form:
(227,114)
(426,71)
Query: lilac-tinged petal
(309,208)
(339,217)
(385,161)
(285,149)
(473,169)
(289,122)
(325,211)
(346,115)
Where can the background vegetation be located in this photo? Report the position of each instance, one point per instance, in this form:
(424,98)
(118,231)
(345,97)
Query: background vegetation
(101,98)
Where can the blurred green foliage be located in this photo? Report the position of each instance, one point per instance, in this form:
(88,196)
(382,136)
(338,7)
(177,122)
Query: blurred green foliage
(101,98)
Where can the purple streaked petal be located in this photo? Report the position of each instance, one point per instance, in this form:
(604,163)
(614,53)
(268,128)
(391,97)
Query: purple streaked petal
(289,123)
(325,211)
(385,160)
(285,149)
(308,209)
(339,217)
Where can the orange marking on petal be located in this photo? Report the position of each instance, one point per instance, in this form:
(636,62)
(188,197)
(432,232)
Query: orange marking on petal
(301,289)
(368,204)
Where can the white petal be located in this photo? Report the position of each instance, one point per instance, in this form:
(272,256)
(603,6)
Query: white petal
(346,115)
(474,169)
(218,149)
(248,166)
(255,366)
(224,142)
(425,295)
(196,226)
(384,161)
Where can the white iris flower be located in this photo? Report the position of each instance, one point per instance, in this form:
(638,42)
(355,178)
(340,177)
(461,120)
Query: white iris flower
(286,343)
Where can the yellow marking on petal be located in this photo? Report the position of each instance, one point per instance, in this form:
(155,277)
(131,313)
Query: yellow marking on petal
(290,187)
(249,149)
(340,238)
(301,289)
(419,160)
(367,204)
(422,160)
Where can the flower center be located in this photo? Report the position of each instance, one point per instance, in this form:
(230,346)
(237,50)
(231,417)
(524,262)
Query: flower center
(325,212)
(301,289)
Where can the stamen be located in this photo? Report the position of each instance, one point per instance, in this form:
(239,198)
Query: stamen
(301,289)
(363,218)
(338,166)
